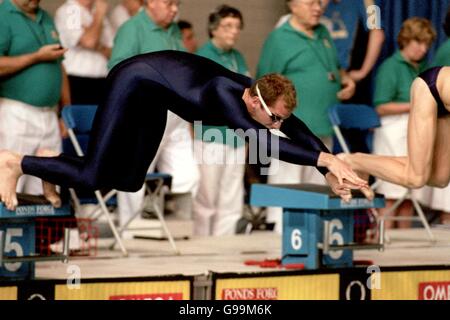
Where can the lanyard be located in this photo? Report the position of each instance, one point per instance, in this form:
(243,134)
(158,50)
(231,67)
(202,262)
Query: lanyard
(38,37)
(326,64)
(230,62)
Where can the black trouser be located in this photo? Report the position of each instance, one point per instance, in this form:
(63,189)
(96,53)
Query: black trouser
(86,90)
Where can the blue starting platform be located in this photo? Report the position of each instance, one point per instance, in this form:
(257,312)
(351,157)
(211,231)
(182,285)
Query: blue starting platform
(18,235)
(317,224)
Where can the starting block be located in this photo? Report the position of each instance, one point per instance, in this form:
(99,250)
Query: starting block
(317,224)
(17,236)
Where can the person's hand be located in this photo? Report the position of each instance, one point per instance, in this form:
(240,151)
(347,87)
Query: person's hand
(50,52)
(340,169)
(348,88)
(367,191)
(342,190)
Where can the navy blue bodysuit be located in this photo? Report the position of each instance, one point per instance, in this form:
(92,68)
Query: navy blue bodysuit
(430,77)
(129,123)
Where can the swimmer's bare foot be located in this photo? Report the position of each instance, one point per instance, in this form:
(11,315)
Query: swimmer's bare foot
(10,171)
(49,189)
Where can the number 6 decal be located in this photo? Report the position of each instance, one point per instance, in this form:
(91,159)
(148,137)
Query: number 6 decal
(336,237)
(296,239)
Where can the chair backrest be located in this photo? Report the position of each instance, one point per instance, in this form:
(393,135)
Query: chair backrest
(79,117)
(352,125)
(78,120)
(354,116)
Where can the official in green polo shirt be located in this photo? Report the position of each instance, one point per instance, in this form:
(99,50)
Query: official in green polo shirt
(153,29)
(140,34)
(302,50)
(233,60)
(219,151)
(392,102)
(32,82)
(24,35)
(311,63)
(442,57)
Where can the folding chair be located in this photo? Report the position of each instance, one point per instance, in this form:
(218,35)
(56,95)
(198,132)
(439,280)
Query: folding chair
(365,118)
(155,184)
(78,120)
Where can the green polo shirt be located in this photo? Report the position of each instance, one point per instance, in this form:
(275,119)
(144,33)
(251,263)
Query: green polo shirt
(394,79)
(234,61)
(39,84)
(442,57)
(141,35)
(306,62)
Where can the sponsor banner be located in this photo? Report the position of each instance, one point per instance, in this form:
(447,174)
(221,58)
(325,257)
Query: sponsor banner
(434,290)
(144,290)
(36,290)
(414,285)
(8,293)
(307,287)
(355,284)
(152,296)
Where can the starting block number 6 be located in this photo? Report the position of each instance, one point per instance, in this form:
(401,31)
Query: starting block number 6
(336,237)
(13,246)
(296,239)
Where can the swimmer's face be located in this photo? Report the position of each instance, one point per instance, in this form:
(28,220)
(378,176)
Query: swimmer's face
(271,118)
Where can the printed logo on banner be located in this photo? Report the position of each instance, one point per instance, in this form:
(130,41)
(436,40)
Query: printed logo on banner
(358,283)
(434,291)
(250,294)
(152,296)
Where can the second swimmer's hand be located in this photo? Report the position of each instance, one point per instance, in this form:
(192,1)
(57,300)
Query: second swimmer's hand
(342,190)
(340,169)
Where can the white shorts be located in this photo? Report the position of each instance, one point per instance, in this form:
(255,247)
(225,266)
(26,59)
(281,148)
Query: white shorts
(391,139)
(25,128)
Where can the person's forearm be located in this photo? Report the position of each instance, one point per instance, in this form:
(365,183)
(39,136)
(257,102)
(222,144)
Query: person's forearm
(323,162)
(11,65)
(392,108)
(344,75)
(91,36)
(65,90)
(374,46)
(324,159)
